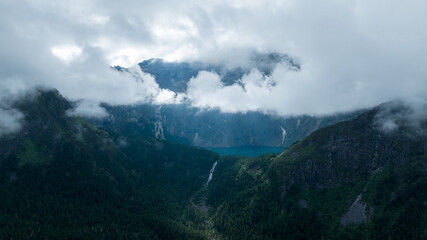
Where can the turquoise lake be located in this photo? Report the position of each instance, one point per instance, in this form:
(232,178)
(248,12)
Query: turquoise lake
(249,151)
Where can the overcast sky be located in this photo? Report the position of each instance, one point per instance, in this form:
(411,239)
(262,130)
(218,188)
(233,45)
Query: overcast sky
(353,54)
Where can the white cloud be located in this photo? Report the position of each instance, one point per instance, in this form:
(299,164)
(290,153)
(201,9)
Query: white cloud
(66,52)
(166,96)
(207,91)
(98,19)
(10,121)
(408,117)
(90,78)
(352,53)
(88,109)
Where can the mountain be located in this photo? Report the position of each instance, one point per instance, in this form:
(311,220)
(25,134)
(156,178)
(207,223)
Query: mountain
(349,180)
(211,128)
(175,75)
(63,178)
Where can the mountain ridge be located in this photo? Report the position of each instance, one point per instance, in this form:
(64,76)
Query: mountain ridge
(345,181)
(65,178)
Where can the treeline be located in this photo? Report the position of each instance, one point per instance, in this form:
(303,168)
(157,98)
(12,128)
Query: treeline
(63,178)
(249,203)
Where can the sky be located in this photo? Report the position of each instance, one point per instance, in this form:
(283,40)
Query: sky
(353,54)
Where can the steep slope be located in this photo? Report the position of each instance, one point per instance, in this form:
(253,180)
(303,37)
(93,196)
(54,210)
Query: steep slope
(345,181)
(175,75)
(64,178)
(188,125)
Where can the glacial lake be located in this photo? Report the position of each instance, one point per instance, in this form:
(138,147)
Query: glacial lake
(249,151)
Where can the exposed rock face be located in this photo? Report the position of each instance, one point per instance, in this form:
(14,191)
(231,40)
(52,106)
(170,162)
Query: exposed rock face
(356,213)
(303,204)
(346,153)
(328,172)
(188,125)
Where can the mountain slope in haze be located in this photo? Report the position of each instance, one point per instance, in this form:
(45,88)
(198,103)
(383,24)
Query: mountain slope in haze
(212,128)
(345,181)
(175,75)
(64,178)
(185,124)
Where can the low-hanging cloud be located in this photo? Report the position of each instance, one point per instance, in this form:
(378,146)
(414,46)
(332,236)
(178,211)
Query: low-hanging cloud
(10,121)
(207,91)
(352,54)
(399,116)
(45,45)
(88,109)
(90,78)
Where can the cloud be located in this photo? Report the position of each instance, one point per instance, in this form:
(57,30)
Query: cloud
(287,92)
(88,109)
(66,52)
(352,54)
(207,91)
(91,81)
(399,116)
(90,77)
(10,121)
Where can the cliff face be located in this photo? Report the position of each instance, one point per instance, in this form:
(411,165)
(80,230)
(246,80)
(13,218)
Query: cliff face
(350,180)
(199,127)
(188,125)
(347,152)
(66,178)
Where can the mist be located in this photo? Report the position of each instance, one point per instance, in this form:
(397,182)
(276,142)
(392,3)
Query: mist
(352,54)
(400,116)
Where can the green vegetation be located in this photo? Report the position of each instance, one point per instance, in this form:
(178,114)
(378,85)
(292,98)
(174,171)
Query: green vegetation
(30,154)
(249,206)
(63,178)
(304,192)
(66,179)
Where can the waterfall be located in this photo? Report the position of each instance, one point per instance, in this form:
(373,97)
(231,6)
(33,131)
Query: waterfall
(211,172)
(158,130)
(283,134)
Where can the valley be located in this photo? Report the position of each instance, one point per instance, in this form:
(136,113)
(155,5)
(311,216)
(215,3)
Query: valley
(212,128)
(66,178)
(213,120)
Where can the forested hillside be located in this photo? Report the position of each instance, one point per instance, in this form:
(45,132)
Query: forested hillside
(62,178)
(345,181)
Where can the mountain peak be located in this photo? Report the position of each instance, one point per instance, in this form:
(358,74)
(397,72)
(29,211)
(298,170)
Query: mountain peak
(44,100)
